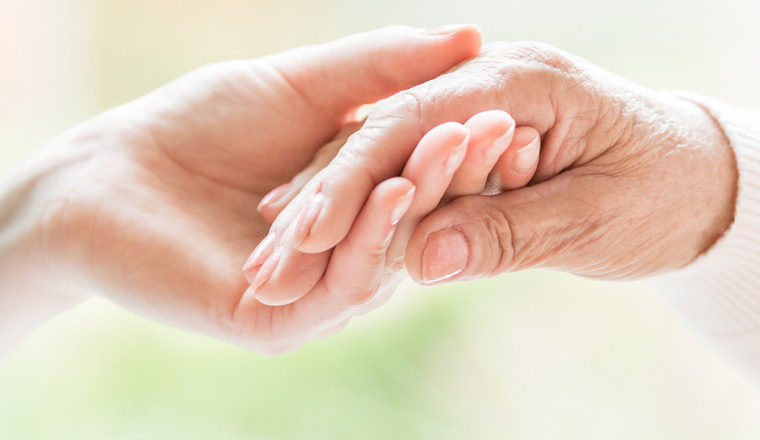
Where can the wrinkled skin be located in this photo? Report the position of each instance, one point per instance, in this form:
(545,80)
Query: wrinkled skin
(630,182)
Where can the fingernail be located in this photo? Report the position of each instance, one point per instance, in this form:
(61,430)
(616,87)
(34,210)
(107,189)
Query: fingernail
(495,150)
(401,206)
(261,253)
(446,254)
(307,217)
(525,158)
(274,195)
(267,269)
(447,29)
(456,156)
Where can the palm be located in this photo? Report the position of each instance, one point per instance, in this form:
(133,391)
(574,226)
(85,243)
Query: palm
(160,214)
(220,138)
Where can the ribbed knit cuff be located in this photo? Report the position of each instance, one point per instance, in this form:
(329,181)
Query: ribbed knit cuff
(720,291)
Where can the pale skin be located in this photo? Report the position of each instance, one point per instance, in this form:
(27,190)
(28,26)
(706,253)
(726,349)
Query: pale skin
(490,153)
(153,204)
(449,159)
(630,182)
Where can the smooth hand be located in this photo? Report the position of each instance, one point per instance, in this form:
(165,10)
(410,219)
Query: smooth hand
(153,204)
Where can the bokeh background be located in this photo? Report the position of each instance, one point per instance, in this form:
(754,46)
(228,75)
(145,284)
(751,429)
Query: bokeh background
(535,355)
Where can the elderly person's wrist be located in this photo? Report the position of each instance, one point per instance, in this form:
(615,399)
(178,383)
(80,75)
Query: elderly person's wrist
(715,177)
(717,294)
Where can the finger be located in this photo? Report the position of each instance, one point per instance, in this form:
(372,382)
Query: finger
(297,272)
(352,279)
(326,309)
(394,126)
(356,268)
(287,274)
(276,200)
(431,168)
(490,135)
(358,275)
(518,164)
(338,77)
(538,226)
(280,274)
(362,68)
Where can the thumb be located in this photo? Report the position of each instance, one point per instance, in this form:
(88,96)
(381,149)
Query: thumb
(476,237)
(366,67)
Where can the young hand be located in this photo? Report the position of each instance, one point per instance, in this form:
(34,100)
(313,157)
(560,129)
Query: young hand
(496,158)
(152,204)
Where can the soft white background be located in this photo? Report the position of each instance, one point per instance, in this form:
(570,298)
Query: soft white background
(527,356)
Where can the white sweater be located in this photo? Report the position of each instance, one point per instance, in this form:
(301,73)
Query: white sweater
(719,294)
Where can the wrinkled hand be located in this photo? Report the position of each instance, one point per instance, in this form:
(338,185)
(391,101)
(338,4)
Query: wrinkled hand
(630,182)
(154,203)
(496,157)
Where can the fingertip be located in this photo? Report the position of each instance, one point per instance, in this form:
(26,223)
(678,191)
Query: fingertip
(270,212)
(274,202)
(516,167)
(491,123)
(392,198)
(443,246)
(446,133)
(395,186)
(344,195)
(415,246)
(523,136)
(402,201)
(491,133)
(272,300)
(467,37)
(358,262)
(449,138)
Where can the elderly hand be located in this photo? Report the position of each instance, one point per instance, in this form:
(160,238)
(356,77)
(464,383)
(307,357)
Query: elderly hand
(630,181)
(488,165)
(153,203)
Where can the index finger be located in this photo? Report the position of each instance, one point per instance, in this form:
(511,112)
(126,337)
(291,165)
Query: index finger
(512,78)
(377,152)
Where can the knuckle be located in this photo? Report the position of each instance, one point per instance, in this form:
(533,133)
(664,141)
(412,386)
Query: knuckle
(528,60)
(352,161)
(541,54)
(387,116)
(502,247)
(497,248)
(405,105)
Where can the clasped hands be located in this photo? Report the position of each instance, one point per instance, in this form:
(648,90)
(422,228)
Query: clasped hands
(473,163)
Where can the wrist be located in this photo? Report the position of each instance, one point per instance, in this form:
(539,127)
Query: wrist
(718,178)
(37,280)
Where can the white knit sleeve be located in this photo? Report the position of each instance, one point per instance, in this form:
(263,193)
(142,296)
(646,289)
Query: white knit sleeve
(719,293)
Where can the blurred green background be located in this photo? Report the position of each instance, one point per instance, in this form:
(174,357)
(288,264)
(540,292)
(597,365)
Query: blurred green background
(535,355)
